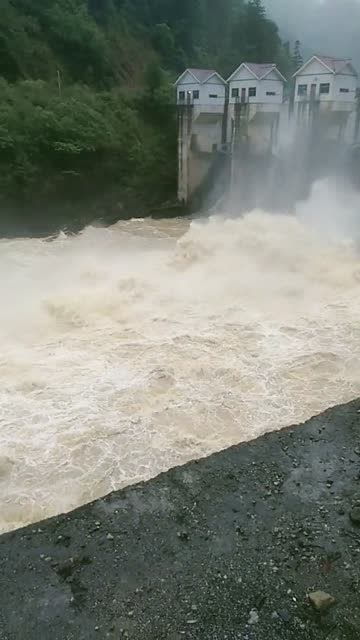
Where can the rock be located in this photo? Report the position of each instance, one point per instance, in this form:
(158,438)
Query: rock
(183,535)
(254,617)
(284,615)
(321,601)
(355,515)
(110,536)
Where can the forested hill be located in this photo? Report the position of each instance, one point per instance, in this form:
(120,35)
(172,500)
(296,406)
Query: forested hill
(85,102)
(105,43)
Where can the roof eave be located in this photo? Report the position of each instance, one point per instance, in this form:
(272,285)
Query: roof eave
(308,62)
(276,71)
(183,74)
(243,64)
(217,75)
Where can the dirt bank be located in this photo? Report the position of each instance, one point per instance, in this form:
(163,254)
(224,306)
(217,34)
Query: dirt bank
(222,549)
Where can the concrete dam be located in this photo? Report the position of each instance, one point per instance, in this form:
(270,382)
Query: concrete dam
(246,137)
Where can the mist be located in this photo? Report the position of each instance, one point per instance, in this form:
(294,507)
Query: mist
(330,27)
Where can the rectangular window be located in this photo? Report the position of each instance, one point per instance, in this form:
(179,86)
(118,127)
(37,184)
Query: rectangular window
(302,90)
(344,90)
(196,94)
(325,88)
(252,92)
(234,93)
(270,93)
(182,96)
(213,95)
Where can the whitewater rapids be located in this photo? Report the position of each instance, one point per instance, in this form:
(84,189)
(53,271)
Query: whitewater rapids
(128,350)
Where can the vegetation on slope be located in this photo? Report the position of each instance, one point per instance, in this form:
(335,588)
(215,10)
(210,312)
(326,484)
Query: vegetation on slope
(86,94)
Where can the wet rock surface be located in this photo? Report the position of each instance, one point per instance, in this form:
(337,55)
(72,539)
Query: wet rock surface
(227,548)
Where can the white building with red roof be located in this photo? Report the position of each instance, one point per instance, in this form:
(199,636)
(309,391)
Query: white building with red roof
(326,79)
(204,88)
(256,84)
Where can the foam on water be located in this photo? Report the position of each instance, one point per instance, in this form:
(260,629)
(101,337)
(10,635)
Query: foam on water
(129,350)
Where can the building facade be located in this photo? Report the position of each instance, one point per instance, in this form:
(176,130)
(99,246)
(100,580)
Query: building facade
(203,88)
(256,84)
(326,79)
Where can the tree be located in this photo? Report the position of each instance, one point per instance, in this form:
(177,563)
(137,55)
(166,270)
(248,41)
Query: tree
(297,58)
(113,127)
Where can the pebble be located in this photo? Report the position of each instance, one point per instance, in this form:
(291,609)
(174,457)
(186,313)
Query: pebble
(284,615)
(254,617)
(321,601)
(183,535)
(110,536)
(355,515)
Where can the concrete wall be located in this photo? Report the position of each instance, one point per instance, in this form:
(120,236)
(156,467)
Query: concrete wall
(345,82)
(199,167)
(207,132)
(199,137)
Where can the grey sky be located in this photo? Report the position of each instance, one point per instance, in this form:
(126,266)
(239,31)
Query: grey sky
(330,27)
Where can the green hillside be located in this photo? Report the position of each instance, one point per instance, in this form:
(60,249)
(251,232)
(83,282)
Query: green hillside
(86,102)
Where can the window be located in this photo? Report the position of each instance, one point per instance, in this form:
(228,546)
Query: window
(234,93)
(194,143)
(213,95)
(324,88)
(252,92)
(344,90)
(196,94)
(182,96)
(270,93)
(302,90)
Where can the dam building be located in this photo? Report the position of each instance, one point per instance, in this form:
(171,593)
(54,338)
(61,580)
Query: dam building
(326,96)
(221,122)
(201,98)
(256,96)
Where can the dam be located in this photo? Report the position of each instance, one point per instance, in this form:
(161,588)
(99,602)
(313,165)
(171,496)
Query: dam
(257,117)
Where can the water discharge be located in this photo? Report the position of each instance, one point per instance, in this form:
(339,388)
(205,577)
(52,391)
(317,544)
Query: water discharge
(128,350)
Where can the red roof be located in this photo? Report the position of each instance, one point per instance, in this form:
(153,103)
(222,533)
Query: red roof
(336,65)
(260,70)
(202,74)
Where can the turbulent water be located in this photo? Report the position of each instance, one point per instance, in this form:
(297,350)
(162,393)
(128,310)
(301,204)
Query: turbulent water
(128,350)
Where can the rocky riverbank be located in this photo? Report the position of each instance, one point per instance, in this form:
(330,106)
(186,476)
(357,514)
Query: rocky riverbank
(259,542)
